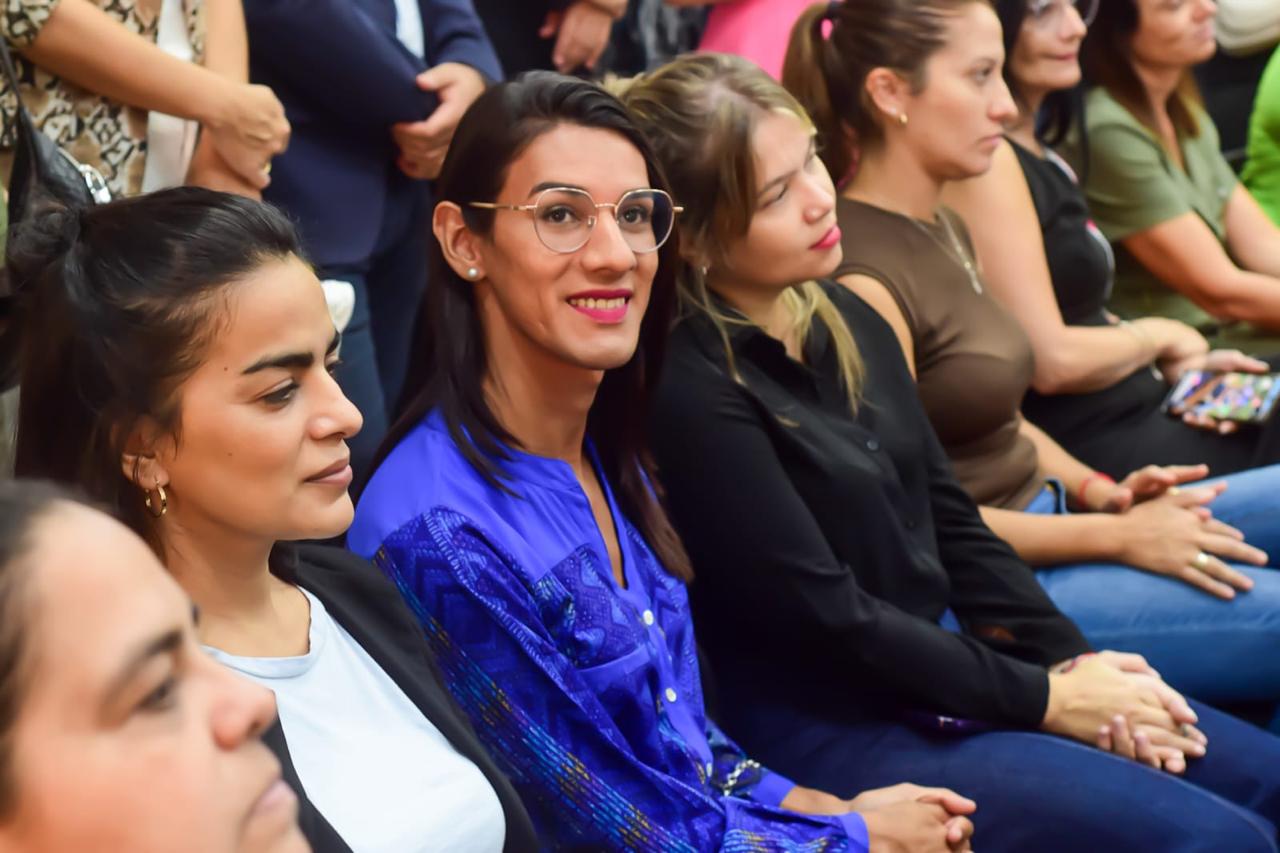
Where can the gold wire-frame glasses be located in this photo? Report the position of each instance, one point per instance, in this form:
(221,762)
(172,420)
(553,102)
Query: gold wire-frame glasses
(564,217)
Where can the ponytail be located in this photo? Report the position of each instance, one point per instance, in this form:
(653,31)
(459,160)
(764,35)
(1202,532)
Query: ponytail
(809,72)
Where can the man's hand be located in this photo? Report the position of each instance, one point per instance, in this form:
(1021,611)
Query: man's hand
(582,34)
(210,171)
(423,144)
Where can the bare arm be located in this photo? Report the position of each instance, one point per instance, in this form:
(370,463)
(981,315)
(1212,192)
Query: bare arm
(877,296)
(1046,540)
(226,42)
(1184,253)
(125,67)
(1254,240)
(1002,220)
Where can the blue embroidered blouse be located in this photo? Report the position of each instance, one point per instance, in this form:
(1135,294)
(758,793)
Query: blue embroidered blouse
(588,692)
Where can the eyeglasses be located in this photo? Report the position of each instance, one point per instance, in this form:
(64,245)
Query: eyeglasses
(563,217)
(1047,14)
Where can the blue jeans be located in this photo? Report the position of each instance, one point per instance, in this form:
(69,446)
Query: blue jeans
(1037,792)
(1218,651)
(376,343)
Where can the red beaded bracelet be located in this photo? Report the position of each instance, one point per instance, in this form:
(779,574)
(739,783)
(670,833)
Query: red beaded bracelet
(1084,484)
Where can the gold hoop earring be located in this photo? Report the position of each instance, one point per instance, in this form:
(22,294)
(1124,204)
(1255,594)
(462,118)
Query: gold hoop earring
(162,500)
(902,119)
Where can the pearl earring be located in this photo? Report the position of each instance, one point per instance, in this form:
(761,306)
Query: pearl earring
(902,119)
(472,273)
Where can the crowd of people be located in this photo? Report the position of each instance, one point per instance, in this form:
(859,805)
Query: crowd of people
(661,425)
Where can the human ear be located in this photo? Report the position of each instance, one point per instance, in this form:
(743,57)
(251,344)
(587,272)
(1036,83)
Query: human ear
(143,460)
(461,245)
(889,93)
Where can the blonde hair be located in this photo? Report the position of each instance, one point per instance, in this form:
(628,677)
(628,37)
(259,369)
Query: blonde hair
(700,113)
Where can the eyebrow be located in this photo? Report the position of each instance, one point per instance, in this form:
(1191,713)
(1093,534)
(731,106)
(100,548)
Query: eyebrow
(290,360)
(166,644)
(813,145)
(553,185)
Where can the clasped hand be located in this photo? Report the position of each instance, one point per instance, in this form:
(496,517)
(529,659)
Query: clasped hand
(902,817)
(1118,702)
(1170,530)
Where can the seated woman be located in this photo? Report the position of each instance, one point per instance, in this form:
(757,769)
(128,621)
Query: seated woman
(1099,385)
(516,506)
(176,366)
(1262,170)
(110,706)
(1191,243)
(851,601)
(912,262)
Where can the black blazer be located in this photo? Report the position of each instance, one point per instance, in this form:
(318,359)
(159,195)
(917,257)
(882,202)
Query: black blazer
(364,602)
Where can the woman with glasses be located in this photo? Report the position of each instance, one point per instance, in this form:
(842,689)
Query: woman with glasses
(1099,383)
(516,505)
(1191,243)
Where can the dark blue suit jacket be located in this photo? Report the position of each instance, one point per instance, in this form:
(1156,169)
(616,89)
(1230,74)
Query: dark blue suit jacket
(344,79)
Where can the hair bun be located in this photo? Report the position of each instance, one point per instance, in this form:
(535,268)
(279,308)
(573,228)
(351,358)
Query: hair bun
(39,242)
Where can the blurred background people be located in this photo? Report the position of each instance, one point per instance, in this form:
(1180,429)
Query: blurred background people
(374,89)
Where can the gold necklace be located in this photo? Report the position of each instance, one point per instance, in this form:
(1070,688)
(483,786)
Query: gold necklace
(955,251)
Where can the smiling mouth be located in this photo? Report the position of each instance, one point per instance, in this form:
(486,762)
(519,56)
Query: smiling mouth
(607,308)
(600,304)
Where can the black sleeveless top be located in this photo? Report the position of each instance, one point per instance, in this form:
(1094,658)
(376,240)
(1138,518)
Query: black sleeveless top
(1081,266)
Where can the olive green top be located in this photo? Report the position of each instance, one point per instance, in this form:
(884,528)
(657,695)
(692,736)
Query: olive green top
(1132,184)
(1262,172)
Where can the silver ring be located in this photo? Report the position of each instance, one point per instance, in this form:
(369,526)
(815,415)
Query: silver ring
(1186,730)
(1201,561)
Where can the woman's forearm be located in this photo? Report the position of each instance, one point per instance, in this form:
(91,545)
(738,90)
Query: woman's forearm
(87,47)
(1081,359)
(226,49)
(1048,540)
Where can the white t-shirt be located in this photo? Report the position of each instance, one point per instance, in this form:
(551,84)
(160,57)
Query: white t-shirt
(376,768)
(170,140)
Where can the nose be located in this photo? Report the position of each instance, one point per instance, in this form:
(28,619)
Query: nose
(241,710)
(1073,26)
(335,414)
(1003,108)
(606,249)
(1206,9)
(820,196)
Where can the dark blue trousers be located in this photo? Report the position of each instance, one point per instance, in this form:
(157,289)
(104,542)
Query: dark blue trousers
(388,285)
(1041,793)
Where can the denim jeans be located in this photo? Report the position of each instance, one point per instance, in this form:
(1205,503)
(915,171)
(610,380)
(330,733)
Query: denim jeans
(1038,793)
(377,342)
(1216,650)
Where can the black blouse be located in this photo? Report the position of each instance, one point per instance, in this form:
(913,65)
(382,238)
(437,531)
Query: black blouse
(1082,268)
(826,546)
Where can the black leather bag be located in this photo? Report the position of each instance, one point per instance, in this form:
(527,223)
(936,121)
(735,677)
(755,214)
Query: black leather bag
(43,173)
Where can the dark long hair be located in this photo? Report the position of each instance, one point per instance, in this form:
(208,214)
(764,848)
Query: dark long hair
(835,46)
(448,367)
(1060,109)
(119,303)
(1107,59)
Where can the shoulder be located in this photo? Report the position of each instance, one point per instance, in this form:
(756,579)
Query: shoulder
(1102,110)
(425,471)
(869,329)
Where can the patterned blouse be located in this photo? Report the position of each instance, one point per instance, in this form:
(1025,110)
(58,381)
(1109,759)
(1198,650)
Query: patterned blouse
(587,691)
(95,130)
